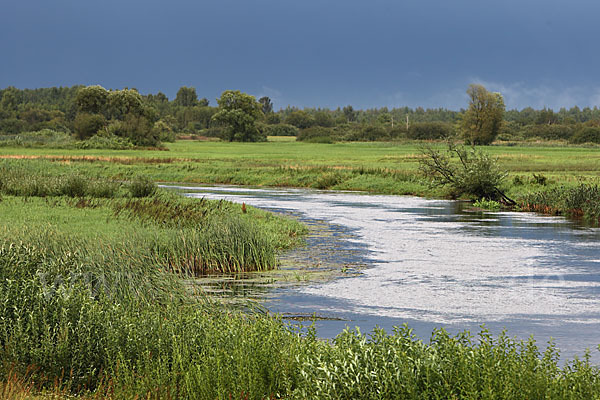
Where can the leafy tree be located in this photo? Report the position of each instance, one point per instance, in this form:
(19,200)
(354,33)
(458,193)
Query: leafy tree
(238,113)
(349,113)
(92,99)
(124,102)
(300,119)
(267,105)
(186,97)
(481,123)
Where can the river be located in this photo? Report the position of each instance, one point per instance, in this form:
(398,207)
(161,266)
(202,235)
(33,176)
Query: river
(437,263)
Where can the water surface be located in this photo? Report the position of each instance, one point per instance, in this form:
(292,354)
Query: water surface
(434,263)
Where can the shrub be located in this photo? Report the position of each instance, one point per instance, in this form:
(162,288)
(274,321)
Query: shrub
(86,125)
(314,132)
(142,186)
(548,132)
(280,130)
(475,174)
(74,186)
(300,119)
(430,130)
(586,134)
(367,133)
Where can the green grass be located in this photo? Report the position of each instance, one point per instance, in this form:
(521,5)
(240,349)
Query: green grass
(93,302)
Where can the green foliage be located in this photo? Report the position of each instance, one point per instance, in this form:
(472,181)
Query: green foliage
(476,174)
(367,133)
(186,97)
(548,132)
(92,99)
(266,104)
(587,134)
(579,201)
(137,129)
(430,131)
(487,204)
(124,103)
(482,121)
(238,113)
(142,186)
(316,134)
(87,125)
(300,119)
(280,130)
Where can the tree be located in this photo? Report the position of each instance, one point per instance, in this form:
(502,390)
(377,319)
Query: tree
(186,97)
(267,105)
(87,125)
(481,123)
(300,119)
(238,112)
(92,99)
(349,113)
(124,102)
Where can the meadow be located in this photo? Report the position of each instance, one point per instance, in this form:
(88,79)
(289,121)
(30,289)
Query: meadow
(97,297)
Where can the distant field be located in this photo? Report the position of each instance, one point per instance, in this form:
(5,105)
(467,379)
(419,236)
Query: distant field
(376,167)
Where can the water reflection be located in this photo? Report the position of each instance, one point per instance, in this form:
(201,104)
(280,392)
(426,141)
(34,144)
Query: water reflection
(435,263)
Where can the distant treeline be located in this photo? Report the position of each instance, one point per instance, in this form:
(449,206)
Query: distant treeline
(122,118)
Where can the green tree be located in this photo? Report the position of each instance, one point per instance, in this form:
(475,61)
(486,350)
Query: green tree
(267,105)
(124,102)
(92,99)
(238,113)
(481,123)
(349,113)
(186,97)
(300,119)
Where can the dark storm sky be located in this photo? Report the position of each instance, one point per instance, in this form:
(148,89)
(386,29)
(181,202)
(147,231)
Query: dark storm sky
(324,53)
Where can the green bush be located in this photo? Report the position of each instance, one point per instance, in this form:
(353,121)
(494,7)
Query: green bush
(548,132)
(86,125)
(430,130)
(367,133)
(314,132)
(280,130)
(586,134)
(476,174)
(142,186)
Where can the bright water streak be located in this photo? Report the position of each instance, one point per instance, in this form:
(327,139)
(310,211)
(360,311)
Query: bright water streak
(431,262)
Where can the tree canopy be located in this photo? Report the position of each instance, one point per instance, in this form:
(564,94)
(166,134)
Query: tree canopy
(238,113)
(482,121)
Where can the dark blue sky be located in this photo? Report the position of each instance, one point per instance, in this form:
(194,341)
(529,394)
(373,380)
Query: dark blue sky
(326,53)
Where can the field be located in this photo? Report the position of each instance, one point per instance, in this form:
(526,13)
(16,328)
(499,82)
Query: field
(375,167)
(97,266)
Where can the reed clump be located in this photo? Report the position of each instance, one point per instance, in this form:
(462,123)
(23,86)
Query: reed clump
(581,201)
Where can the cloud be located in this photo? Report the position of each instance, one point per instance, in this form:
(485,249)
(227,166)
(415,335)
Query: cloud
(519,95)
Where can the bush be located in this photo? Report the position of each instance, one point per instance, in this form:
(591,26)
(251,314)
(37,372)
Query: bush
(476,174)
(142,187)
(74,186)
(280,130)
(586,134)
(430,130)
(367,133)
(300,119)
(137,129)
(86,125)
(548,132)
(315,132)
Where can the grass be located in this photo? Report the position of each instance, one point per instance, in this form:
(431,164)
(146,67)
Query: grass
(93,302)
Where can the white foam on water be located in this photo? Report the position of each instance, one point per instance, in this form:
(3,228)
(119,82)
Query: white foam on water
(431,269)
